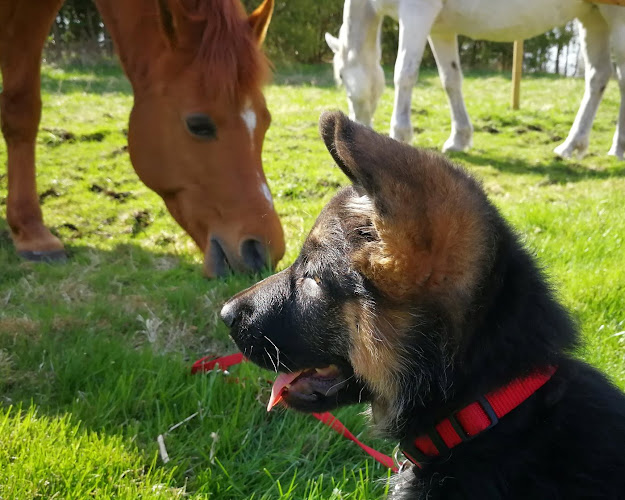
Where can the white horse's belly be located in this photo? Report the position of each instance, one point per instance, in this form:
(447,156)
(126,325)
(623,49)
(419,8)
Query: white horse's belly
(506,20)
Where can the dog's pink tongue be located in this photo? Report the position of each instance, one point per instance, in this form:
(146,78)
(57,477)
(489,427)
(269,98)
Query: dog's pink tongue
(281,382)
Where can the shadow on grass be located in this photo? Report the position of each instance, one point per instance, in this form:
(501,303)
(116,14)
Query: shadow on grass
(557,170)
(96,338)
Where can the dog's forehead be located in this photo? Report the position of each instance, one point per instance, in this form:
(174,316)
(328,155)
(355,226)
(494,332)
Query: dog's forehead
(328,226)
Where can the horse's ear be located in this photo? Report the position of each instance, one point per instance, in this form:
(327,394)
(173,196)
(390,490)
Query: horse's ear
(333,43)
(167,22)
(259,20)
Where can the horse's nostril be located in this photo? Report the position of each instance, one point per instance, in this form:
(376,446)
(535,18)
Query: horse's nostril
(255,255)
(228,314)
(216,261)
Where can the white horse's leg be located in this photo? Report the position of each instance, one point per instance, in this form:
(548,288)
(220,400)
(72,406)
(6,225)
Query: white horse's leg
(615,17)
(415,21)
(594,34)
(445,48)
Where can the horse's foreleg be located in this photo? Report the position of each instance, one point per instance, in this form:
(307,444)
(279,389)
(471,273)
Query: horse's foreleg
(21,43)
(594,34)
(445,48)
(415,22)
(615,16)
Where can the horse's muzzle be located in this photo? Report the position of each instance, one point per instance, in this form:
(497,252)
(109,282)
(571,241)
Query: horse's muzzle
(252,257)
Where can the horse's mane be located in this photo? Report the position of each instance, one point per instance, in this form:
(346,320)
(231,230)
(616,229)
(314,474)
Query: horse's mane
(228,52)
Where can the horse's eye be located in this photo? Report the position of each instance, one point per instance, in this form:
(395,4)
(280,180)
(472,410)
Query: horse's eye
(201,126)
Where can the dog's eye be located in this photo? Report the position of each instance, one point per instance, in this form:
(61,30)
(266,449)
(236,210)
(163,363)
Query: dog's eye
(311,284)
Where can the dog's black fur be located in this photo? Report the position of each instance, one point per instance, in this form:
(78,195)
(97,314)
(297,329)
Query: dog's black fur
(422,345)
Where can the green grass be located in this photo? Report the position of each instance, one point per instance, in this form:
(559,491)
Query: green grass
(95,354)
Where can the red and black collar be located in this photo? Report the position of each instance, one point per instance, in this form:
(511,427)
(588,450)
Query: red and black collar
(473,419)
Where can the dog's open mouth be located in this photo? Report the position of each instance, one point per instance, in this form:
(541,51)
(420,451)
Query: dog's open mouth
(306,385)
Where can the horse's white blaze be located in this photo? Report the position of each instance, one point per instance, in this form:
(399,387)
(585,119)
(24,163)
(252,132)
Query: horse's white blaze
(249,118)
(266,193)
(357,55)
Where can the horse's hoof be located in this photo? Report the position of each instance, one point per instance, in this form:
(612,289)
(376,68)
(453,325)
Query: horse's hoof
(402,134)
(563,151)
(460,140)
(52,256)
(456,146)
(616,152)
(567,148)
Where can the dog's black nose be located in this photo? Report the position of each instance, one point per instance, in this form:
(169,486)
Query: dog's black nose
(228,313)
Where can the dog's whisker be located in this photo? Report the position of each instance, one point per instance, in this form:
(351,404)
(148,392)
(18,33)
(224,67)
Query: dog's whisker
(360,395)
(271,359)
(285,365)
(339,384)
(277,350)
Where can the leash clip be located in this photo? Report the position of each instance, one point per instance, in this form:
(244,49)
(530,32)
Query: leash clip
(401,466)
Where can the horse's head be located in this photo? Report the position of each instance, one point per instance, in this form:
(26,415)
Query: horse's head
(197,129)
(358,68)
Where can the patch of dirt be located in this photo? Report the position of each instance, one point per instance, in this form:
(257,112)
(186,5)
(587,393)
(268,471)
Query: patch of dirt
(70,226)
(490,129)
(141,220)
(116,195)
(119,151)
(48,193)
(12,327)
(553,138)
(61,135)
(93,137)
(328,184)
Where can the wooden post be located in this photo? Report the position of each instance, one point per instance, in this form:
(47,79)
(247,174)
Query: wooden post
(517,69)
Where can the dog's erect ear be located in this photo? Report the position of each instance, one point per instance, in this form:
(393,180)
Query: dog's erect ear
(355,148)
(431,216)
(334,128)
(371,161)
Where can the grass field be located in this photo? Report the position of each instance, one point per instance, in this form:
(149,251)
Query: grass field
(95,354)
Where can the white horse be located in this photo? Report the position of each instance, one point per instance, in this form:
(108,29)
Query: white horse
(357,55)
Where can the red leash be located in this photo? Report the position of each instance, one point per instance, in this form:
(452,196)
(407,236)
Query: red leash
(334,423)
(208,363)
(459,427)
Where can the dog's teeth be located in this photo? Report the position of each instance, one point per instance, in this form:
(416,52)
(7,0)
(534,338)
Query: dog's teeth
(330,370)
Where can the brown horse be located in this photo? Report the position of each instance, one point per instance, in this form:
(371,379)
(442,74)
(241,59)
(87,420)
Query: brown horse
(196,128)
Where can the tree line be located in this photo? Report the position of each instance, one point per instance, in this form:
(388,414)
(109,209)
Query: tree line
(296,35)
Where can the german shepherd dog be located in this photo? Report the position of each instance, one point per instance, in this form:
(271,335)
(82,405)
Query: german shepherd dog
(412,293)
